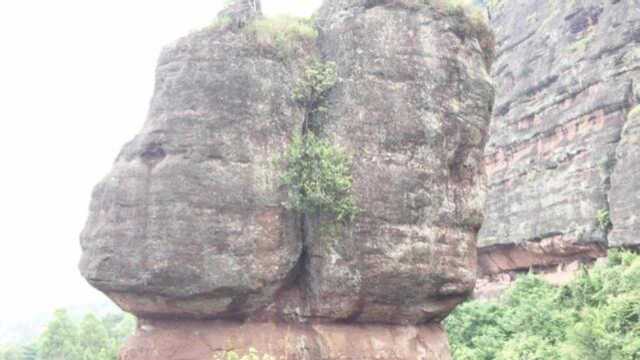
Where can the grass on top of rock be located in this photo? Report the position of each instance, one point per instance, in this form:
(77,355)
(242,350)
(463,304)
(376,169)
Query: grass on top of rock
(284,33)
(318,177)
(595,317)
(471,21)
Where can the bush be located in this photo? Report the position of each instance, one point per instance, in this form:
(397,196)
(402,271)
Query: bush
(471,22)
(252,355)
(595,317)
(311,90)
(604,220)
(285,34)
(92,338)
(318,176)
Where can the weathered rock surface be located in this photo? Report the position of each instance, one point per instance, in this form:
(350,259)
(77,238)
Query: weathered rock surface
(566,77)
(544,254)
(492,287)
(186,340)
(412,107)
(189,231)
(624,197)
(190,220)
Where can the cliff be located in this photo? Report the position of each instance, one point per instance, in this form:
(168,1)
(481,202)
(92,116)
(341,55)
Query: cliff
(561,168)
(193,232)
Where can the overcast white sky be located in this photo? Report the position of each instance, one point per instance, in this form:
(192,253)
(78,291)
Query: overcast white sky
(75,81)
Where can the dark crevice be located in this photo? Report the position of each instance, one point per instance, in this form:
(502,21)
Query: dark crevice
(299,273)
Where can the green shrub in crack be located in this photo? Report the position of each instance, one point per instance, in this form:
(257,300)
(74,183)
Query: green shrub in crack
(285,34)
(318,177)
(311,90)
(604,219)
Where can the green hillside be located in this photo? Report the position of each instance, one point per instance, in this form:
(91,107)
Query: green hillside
(595,317)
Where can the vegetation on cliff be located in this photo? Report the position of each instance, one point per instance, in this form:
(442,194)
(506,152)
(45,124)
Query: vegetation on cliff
(317,172)
(252,355)
(91,338)
(286,34)
(595,317)
(318,176)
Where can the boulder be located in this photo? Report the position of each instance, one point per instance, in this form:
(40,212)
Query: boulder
(191,219)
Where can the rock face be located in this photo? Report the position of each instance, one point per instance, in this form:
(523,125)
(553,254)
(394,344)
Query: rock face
(412,107)
(624,197)
(190,220)
(190,233)
(566,78)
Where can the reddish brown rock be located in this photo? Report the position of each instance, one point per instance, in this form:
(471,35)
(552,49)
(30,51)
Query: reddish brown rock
(492,286)
(204,340)
(547,253)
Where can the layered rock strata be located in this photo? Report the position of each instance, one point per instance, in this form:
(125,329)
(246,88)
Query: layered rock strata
(190,231)
(566,78)
(624,197)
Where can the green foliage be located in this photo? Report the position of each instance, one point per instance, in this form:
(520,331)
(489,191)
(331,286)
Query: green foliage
(252,355)
(528,347)
(318,78)
(595,317)
(318,176)
(60,340)
(471,22)
(92,338)
(10,353)
(286,34)
(603,218)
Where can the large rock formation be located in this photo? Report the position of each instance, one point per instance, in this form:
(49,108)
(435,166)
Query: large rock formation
(566,76)
(190,232)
